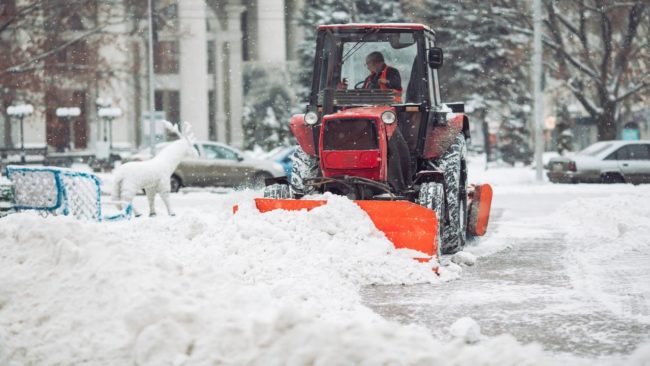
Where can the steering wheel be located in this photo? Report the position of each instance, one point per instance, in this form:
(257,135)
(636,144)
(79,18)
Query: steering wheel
(359,85)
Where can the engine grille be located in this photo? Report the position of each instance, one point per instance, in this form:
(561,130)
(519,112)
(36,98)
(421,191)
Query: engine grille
(350,134)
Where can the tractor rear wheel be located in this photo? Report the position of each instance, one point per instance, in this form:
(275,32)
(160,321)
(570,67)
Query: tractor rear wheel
(303,166)
(432,196)
(454,165)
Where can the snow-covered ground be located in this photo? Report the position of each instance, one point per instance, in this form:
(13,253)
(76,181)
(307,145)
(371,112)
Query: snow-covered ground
(325,288)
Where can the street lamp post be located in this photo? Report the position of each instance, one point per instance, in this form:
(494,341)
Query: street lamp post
(109,114)
(68,115)
(21,111)
(538,111)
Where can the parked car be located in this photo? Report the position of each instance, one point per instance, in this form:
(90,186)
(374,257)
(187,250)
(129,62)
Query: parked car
(217,165)
(283,157)
(615,161)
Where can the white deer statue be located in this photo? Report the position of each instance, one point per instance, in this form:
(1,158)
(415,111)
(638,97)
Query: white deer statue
(154,175)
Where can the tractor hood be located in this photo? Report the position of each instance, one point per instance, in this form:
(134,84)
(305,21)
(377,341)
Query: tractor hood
(354,141)
(359,112)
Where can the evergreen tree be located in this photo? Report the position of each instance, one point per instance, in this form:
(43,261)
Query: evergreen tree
(486,62)
(267,109)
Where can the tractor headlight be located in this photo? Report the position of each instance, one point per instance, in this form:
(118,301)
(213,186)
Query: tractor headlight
(311,118)
(388,117)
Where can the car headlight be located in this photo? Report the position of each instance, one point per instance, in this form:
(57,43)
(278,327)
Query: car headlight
(311,118)
(388,117)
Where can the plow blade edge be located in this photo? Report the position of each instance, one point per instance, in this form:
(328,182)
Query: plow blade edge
(479,209)
(407,225)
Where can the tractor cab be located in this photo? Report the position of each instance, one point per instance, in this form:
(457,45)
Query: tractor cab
(376,120)
(341,69)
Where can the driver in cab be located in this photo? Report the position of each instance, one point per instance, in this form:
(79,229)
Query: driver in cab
(381,76)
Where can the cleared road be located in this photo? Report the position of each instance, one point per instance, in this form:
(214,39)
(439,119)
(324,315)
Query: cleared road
(525,287)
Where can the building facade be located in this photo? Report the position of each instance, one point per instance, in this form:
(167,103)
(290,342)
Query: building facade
(201,49)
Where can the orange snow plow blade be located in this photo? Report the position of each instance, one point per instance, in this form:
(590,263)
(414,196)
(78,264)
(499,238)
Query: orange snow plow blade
(406,224)
(479,209)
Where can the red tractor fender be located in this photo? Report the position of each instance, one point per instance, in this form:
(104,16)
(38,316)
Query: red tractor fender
(440,138)
(303,133)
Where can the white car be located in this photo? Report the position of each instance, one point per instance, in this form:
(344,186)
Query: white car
(616,161)
(217,165)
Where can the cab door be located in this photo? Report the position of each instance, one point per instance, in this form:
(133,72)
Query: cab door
(636,163)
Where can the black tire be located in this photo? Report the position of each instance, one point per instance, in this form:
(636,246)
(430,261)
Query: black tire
(432,196)
(303,166)
(453,164)
(277,191)
(175,183)
(612,178)
(258,180)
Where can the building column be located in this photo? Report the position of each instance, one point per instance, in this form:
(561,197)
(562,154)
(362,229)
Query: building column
(194,66)
(220,89)
(271,31)
(118,90)
(235,135)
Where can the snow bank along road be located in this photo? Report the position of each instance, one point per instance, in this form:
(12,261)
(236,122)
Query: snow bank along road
(561,279)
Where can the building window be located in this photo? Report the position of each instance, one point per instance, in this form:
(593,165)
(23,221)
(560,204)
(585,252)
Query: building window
(75,54)
(211,57)
(166,14)
(166,57)
(78,53)
(7,8)
(212,116)
(169,101)
(245,37)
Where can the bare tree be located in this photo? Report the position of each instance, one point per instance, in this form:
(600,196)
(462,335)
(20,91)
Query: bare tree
(599,48)
(50,45)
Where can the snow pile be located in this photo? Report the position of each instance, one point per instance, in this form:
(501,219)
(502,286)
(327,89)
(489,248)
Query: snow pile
(208,287)
(609,250)
(466,329)
(464,258)
(640,357)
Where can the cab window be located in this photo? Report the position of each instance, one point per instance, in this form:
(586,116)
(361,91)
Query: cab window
(355,51)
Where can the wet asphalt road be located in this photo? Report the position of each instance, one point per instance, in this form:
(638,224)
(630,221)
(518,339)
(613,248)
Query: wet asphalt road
(523,290)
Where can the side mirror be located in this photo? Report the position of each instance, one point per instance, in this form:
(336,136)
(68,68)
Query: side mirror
(435,57)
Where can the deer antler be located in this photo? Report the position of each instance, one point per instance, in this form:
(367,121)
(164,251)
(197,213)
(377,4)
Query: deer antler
(187,132)
(172,128)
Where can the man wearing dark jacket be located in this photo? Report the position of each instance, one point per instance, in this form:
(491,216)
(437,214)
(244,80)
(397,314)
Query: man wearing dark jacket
(382,76)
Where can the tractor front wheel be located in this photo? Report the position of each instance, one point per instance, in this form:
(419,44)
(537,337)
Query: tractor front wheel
(432,196)
(277,191)
(303,166)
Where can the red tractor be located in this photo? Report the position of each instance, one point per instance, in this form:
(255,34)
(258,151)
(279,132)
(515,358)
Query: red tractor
(387,141)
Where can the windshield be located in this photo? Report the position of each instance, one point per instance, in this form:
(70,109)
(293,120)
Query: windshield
(595,149)
(371,62)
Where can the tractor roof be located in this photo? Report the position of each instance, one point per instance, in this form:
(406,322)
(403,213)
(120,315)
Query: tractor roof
(352,26)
